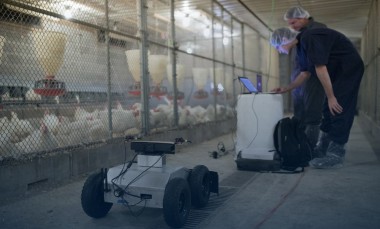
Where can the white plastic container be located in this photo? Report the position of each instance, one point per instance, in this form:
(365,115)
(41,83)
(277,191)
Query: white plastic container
(257,116)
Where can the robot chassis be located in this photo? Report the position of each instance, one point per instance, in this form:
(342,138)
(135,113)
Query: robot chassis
(150,183)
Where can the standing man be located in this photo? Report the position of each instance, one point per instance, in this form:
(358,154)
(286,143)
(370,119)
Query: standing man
(332,57)
(308,98)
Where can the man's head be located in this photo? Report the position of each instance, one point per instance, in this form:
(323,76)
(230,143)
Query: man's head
(297,18)
(283,39)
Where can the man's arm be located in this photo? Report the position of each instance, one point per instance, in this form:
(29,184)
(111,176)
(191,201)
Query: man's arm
(300,79)
(324,77)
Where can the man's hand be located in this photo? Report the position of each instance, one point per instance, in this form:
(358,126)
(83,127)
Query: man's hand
(324,77)
(280,90)
(334,106)
(300,79)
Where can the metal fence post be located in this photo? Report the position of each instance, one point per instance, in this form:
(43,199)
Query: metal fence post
(143,25)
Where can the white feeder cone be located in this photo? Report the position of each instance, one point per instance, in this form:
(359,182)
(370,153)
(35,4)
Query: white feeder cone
(200,76)
(180,74)
(219,75)
(50,49)
(157,67)
(133,61)
(2,42)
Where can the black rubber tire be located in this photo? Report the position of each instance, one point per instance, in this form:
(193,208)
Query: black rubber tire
(177,202)
(92,197)
(200,186)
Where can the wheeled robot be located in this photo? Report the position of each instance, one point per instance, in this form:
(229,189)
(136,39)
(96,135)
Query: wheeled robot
(149,182)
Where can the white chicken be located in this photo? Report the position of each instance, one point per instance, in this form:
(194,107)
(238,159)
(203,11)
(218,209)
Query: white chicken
(32,96)
(3,123)
(136,108)
(18,127)
(210,113)
(186,119)
(38,140)
(230,112)
(77,99)
(221,111)
(166,113)
(97,130)
(56,99)
(6,96)
(82,114)
(72,133)
(158,117)
(51,121)
(7,148)
(199,113)
(122,120)
(5,138)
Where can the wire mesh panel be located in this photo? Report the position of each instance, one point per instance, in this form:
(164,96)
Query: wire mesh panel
(227,38)
(194,28)
(254,56)
(238,87)
(159,21)
(237,34)
(59,90)
(219,33)
(71,76)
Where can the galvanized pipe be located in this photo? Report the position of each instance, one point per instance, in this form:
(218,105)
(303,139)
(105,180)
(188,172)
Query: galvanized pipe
(143,25)
(109,99)
(173,60)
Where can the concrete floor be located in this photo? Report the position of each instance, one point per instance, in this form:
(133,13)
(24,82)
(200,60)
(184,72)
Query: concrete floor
(343,198)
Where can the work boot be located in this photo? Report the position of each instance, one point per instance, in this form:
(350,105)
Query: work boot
(334,157)
(312,133)
(322,145)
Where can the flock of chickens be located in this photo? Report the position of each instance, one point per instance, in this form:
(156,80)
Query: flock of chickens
(22,136)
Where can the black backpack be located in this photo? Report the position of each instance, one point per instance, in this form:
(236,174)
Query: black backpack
(291,143)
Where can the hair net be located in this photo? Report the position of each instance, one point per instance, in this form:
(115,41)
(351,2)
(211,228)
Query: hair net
(282,36)
(296,12)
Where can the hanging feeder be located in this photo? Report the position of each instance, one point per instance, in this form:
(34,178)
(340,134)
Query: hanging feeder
(133,61)
(135,89)
(180,95)
(200,76)
(157,91)
(49,87)
(180,80)
(200,94)
(157,68)
(50,49)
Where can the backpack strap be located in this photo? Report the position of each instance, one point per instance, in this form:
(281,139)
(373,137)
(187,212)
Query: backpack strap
(276,136)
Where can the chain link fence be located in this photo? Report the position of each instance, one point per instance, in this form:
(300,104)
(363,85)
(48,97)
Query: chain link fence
(70,71)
